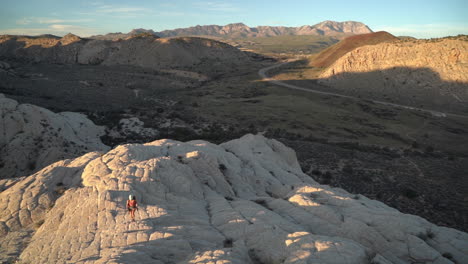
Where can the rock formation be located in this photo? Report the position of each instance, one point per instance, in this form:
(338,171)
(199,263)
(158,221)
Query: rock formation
(432,73)
(32,137)
(142,50)
(236,30)
(129,127)
(244,201)
(331,54)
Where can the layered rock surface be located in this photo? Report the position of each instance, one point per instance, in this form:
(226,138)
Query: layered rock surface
(244,201)
(32,137)
(415,72)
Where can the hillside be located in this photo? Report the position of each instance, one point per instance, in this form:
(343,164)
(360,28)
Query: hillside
(240,30)
(331,54)
(244,201)
(32,137)
(120,35)
(143,50)
(428,73)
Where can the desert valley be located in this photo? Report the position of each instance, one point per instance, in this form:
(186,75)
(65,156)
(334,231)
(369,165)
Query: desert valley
(325,143)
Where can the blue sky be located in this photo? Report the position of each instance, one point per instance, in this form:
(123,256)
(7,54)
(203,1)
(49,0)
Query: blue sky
(418,18)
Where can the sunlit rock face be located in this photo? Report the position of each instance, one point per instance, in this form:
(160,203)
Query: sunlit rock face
(33,137)
(244,201)
(415,72)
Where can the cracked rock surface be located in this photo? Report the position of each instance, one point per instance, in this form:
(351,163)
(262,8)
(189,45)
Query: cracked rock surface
(33,137)
(244,201)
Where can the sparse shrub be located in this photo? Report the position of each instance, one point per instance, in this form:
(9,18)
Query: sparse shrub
(316,172)
(410,193)
(427,235)
(60,190)
(415,144)
(227,243)
(262,203)
(348,169)
(222,167)
(448,256)
(379,196)
(180,159)
(366,178)
(51,205)
(31,165)
(429,149)
(39,223)
(430,234)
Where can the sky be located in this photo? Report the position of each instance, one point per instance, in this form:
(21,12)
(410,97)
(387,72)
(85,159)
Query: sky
(417,18)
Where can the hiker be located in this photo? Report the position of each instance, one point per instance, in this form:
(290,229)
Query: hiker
(132,206)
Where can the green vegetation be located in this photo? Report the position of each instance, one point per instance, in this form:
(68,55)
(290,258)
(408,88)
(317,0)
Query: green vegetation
(293,45)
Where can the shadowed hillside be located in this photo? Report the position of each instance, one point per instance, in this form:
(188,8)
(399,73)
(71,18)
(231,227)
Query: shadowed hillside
(143,50)
(417,87)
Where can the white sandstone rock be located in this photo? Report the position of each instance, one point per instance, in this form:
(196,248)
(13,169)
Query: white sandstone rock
(244,201)
(32,137)
(132,126)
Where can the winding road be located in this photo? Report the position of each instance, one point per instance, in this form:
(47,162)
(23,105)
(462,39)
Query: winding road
(263,74)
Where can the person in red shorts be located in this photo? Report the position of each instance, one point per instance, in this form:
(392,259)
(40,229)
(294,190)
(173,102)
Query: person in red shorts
(132,206)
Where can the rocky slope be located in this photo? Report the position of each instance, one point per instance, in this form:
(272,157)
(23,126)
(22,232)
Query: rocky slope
(142,50)
(32,137)
(331,54)
(327,28)
(244,201)
(431,73)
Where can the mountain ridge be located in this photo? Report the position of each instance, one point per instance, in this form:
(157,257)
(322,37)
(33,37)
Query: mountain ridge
(237,30)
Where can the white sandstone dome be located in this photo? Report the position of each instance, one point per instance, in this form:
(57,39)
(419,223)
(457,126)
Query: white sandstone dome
(244,201)
(33,137)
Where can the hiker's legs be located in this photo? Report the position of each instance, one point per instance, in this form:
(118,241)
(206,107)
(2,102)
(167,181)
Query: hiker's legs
(132,213)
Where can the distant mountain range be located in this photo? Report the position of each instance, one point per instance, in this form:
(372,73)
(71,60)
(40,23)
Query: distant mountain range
(240,30)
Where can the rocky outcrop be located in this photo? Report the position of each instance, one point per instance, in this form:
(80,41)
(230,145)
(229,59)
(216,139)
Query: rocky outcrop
(244,201)
(331,54)
(32,137)
(431,73)
(326,28)
(131,127)
(142,50)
